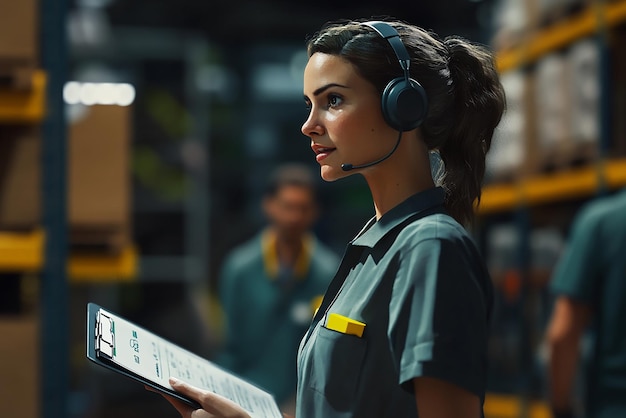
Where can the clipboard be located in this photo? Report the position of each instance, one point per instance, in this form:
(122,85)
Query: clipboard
(126,348)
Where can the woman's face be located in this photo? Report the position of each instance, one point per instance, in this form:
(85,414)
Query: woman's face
(345,123)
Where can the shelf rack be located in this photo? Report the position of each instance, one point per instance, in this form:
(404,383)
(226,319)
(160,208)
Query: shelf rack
(550,188)
(575,182)
(590,21)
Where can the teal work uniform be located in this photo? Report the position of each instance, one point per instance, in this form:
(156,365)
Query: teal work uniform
(593,270)
(417,282)
(268,308)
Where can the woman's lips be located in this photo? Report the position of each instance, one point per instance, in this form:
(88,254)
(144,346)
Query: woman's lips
(323,154)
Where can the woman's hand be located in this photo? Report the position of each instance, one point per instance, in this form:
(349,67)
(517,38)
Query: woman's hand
(213,405)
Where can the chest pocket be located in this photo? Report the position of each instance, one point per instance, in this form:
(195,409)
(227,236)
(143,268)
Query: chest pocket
(336,370)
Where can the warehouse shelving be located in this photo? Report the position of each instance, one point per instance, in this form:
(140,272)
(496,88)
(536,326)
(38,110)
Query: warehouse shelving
(24,251)
(575,182)
(590,21)
(44,251)
(518,199)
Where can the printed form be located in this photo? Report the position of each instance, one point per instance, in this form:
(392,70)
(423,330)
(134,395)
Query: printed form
(146,354)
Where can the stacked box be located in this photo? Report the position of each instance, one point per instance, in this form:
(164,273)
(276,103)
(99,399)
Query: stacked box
(513,19)
(18,43)
(618,93)
(583,62)
(552,11)
(99,178)
(508,147)
(20,177)
(19,366)
(552,106)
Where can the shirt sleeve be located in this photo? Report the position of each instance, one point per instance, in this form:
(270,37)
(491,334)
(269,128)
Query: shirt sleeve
(438,316)
(576,274)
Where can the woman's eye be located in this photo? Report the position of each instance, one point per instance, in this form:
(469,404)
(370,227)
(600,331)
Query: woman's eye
(334,100)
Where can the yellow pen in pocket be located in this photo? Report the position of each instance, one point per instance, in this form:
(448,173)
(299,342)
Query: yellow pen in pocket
(345,325)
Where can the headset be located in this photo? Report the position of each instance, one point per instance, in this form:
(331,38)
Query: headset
(404,102)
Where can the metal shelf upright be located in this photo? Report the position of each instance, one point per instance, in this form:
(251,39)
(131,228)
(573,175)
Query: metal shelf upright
(54,362)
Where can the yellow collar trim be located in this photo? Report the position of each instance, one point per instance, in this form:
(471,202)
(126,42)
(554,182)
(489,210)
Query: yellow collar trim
(270,255)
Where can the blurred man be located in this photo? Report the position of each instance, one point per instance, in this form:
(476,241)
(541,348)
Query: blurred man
(590,285)
(271,285)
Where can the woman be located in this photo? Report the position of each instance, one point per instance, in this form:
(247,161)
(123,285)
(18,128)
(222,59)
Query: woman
(402,330)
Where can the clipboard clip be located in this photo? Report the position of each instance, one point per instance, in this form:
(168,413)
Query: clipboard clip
(105,335)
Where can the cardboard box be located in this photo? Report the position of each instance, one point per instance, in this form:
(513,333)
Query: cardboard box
(18,43)
(99,177)
(19,24)
(506,157)
(20,177)
(584,78)
(511,23)
(19,366)
(532,163)
(618,94)
(552,105)
(553,11)
(583,62)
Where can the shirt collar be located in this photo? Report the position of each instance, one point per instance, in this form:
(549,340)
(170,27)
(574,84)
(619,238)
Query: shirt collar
(270,256)
(419,202)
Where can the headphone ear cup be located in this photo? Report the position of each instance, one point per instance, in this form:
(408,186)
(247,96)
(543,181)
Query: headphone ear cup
(404,104)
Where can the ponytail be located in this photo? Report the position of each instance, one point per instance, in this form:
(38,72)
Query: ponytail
(478,104)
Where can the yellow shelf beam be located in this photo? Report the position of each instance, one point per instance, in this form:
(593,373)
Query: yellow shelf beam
(552,188)
(562,34)
(499,197)
(570,184)
(24,106)
(120,267)
(21,251)
(24,252)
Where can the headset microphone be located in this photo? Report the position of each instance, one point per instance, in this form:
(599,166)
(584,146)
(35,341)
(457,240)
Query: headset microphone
(349,167)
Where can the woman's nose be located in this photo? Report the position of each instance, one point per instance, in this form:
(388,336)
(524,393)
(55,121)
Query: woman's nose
(312,126)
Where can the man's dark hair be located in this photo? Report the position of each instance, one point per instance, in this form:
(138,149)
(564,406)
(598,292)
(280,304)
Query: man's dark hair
(291,174)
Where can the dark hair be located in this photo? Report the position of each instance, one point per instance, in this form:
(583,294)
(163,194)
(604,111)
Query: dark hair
(291,174)
(465,97)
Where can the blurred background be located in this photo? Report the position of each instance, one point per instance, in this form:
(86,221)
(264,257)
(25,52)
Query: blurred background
(135,137)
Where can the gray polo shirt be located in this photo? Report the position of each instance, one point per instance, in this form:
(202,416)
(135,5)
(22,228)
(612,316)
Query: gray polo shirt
(417,282)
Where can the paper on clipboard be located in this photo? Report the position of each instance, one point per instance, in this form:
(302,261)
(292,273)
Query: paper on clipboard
(139,352)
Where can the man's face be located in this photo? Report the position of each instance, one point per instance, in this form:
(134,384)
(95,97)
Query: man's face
(292,210)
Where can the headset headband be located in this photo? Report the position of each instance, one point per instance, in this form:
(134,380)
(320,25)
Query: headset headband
(388,32)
